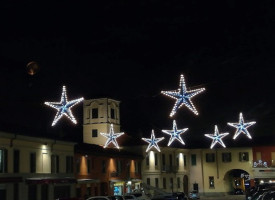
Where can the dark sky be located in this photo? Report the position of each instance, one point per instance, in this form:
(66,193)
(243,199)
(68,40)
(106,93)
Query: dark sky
(130,51)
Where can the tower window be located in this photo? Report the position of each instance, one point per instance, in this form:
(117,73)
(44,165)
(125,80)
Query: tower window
(94,113)
(94,133)
(112,113)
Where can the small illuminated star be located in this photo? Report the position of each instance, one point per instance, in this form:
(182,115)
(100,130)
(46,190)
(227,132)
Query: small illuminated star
(216,137)
(183,97)
(175,133)
(64,107)
(111,137)
(153,142)
(241,127)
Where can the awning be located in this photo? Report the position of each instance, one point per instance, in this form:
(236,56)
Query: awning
(84,181)
(50,180)
(11,179)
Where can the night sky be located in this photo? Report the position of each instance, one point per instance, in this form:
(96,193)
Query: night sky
(131,51)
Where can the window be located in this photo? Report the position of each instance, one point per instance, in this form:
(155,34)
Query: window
(88,165)
(164,183)
(112,113)
(184,160)
(193,159)
(170,160)
(178,182)
(118,166)
(3,161)
(94,113)
(157,182)
(54,164)
(103,166)
(16,160)
(94,132)
(171,183)
(163,159)
(226,157)
(243,156)
(148,181)
(44,192)
(210,157)
(93,163)
(15,191)
(156,159)
(147,160)
(32,162)
(78,165)
(211,182)
(32,192)
(69,164)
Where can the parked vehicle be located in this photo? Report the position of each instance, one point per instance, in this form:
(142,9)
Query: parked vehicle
(116,197)
(98,198)
(129,197)
(194,195)
(238,191)
(180,195)
(165,197)
(139,195)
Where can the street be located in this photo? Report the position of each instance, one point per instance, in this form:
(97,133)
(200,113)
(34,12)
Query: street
(226,197)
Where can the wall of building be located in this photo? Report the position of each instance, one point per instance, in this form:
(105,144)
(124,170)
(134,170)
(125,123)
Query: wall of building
(43,149)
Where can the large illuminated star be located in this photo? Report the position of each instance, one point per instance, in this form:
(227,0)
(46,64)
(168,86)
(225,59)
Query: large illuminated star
(175,133)
(153,142)
(64,107)
(216,137)
(241,127)
(183,97)
(111,137)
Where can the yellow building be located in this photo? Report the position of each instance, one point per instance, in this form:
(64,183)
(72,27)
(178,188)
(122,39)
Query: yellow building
(219,171)
(35,168)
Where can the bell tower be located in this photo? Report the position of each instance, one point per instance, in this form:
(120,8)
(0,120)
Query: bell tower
(98,115)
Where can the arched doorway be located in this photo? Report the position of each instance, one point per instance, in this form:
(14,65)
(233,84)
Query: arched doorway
(185,184)
(236,179)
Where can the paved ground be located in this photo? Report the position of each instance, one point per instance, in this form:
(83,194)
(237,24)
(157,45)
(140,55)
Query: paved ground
(226,197)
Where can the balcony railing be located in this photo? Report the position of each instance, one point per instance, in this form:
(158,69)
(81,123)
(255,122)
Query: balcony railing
(263,164)
(169,169)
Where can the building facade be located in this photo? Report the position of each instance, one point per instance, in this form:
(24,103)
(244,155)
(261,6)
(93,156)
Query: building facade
(107,171)
(98,115)
(219,171)
(35,168)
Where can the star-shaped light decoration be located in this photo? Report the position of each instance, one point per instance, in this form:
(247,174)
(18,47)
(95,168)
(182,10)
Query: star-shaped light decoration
(153,141)
(216,137)
(111,137)
(183,97)
(241,127)
(175,133)
(64,107)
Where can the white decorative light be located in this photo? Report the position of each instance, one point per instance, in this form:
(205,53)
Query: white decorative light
(241,127)
(183,97)
(111,137)
(216,137)
(153,141)
(175,133)
(64,107)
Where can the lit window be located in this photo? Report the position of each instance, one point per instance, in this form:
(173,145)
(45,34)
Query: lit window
(211,182)
(243,156)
